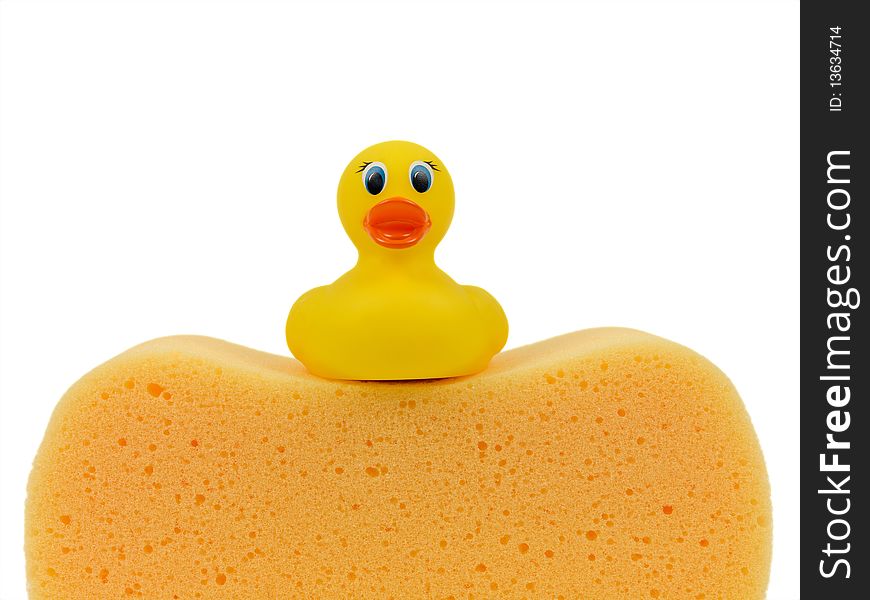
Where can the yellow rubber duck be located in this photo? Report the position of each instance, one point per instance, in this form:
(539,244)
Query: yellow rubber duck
(395,315)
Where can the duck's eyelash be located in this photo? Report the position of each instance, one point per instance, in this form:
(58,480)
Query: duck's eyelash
(432,164)
(363,166)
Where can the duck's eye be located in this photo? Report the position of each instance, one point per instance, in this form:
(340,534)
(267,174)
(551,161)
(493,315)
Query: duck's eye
(421,176)
(375,178)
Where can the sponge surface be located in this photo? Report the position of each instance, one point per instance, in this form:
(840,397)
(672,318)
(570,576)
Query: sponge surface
(603,464)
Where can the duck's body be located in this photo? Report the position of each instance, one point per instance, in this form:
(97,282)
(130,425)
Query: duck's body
(396,315)
(386,326)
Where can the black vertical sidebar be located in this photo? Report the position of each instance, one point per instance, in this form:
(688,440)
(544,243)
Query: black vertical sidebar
(834,369)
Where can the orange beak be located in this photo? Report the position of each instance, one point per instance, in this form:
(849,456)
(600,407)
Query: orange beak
(397,223)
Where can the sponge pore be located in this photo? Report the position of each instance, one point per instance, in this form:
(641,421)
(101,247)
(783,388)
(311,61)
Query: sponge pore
(603,464)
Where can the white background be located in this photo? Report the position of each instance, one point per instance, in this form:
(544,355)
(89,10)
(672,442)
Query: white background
(171,168)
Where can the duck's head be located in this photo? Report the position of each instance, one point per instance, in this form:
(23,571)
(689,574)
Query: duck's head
(397,198)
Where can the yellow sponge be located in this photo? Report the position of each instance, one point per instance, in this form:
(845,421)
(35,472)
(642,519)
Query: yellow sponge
(607,463)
